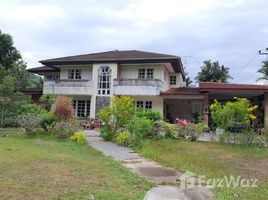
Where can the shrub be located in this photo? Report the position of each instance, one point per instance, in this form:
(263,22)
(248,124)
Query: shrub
(149,114)
(64,108)
(63,129)
(161,128)
(232,114)
(190,131)
(116,116)
(29,122)
(123,138)
(33,109)
(48,100)
(79,137)
(139,128)
(47,120)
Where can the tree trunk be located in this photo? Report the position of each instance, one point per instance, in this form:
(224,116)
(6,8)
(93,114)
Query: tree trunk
(2,115)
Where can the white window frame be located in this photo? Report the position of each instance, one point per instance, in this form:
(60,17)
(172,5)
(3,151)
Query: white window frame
(74,74)
(86,109)
(173,80)
(146,73)
(144,104)
(104,80)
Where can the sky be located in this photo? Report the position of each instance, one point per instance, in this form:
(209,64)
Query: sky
(229,31)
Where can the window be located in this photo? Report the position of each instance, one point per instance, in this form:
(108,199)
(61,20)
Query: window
(148,104)
(146,73)
(144,104)
(173,80)
(150,73)
(52,77)
(139,104)
(104,80)
(141,74)
(81,107)
(74,74)
(197,108)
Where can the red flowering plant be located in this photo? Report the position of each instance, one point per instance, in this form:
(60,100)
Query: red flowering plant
(188,130)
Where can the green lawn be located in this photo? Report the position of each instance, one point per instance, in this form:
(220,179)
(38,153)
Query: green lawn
(215,161)
(44,168)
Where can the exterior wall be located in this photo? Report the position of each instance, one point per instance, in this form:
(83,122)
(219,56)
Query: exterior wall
(131,71)
(86,71)
(157,102)
(180,108)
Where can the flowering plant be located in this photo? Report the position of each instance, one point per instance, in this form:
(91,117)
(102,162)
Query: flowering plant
(233,113)
(182,122)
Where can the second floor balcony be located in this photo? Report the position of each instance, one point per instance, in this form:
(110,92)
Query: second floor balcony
(68,87)
(150,87)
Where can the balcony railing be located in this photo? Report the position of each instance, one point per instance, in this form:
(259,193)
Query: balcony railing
(138,82)
(137,86)
(66,86)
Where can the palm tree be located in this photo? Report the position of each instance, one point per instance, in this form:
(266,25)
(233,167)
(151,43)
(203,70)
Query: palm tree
(263,70)
(214,72)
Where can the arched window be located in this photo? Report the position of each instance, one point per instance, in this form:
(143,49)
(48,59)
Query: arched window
(104,80)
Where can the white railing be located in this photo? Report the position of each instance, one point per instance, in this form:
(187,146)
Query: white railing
(151,87)
(81,87)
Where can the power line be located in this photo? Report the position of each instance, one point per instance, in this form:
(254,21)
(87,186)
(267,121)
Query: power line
(246,65)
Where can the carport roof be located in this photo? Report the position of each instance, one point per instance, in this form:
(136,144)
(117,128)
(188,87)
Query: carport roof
(216,86)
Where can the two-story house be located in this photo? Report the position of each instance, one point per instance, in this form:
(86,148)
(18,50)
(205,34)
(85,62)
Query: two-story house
(155,81)
(92,79)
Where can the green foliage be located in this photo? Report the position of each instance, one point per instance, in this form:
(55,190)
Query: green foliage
(149,114)
(47,120)
(123,138)
(116,116)
(63,129)
(212,71)
(79,137)
(29,122)
(237,113)
(10,101)
(140,128)
(263,70)
(161,128)
(188,80)
(31,108)
(11,63)
(193,131)
(48,100)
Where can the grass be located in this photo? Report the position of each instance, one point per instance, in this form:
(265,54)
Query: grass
(44,168)
(215,161)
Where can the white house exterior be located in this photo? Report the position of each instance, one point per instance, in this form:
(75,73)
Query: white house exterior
(92,79)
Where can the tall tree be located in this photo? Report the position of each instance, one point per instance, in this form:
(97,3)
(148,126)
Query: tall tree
(263,70)
(214,72)
(11,62)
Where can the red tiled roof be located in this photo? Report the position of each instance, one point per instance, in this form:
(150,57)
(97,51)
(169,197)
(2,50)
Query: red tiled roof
(213,86)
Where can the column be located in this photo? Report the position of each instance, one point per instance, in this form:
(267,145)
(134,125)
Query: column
(93,106)
(205,109)
(266,112)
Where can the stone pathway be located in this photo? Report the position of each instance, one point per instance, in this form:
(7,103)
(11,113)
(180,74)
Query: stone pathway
(165,178)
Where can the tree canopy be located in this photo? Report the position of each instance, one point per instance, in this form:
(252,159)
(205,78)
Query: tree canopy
(263,70)
(214,72)
(12,64)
